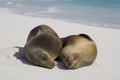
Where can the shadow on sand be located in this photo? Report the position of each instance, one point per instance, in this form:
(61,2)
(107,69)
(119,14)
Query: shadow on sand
(19,55)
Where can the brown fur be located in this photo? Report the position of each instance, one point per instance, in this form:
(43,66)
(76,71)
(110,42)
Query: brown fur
(43,46)
(78,51)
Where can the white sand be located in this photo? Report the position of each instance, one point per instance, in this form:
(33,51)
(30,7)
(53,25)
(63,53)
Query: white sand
(14,30)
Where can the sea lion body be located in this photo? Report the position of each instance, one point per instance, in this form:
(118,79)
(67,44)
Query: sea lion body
(42,47)
(78,51)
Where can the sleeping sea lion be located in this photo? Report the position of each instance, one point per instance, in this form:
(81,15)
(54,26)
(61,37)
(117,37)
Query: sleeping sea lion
(78,51)
(43,46)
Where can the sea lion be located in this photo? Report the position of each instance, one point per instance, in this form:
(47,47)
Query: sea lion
(43,46)
(78,51)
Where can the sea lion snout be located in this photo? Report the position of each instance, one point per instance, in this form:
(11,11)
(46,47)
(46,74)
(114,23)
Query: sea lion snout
(50,64)
(69,60)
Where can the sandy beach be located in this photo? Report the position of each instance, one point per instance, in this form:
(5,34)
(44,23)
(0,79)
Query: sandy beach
(14,29)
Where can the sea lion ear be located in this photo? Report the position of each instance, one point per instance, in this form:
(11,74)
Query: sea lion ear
(86,36)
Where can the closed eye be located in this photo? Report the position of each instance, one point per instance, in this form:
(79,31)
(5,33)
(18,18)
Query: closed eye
(45,58)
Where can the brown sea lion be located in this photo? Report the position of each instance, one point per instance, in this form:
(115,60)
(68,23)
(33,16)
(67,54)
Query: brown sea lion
(78,51)
(43,46)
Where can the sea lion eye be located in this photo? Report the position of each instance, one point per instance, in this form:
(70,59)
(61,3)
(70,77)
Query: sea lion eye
(74,58)
(44,58)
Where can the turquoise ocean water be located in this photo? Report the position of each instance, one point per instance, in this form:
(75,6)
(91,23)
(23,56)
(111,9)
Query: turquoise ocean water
(103,13)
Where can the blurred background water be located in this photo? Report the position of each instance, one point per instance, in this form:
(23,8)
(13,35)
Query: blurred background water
(103,13)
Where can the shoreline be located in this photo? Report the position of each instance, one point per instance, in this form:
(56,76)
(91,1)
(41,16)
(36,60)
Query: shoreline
(67,20)
(29,22)
(16,21)
(74,21)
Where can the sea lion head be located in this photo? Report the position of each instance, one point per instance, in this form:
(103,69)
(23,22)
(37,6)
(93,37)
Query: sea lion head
(72,61)
(41,58)
(46,61)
